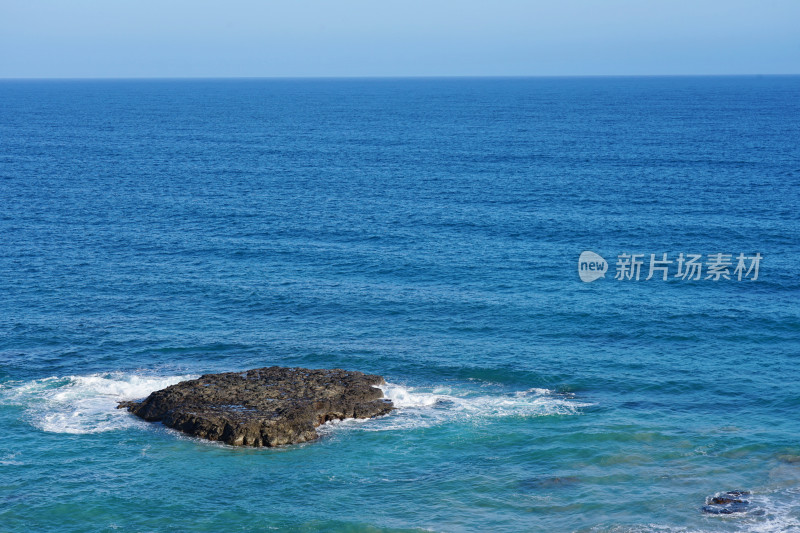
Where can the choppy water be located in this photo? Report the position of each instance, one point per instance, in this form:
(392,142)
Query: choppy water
(424,230)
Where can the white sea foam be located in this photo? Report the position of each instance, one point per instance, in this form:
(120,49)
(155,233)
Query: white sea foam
(531,402)
(87,404)
(781,512)
(425,407)
(9,459)
(83,404)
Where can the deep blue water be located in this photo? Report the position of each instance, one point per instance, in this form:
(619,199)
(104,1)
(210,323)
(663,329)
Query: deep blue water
(425,230)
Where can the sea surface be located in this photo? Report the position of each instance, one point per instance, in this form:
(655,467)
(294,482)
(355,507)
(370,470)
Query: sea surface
(427,230)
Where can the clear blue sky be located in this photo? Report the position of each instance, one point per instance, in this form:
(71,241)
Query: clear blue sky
(177,38)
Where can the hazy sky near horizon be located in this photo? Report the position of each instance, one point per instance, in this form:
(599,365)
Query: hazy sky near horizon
(199,38)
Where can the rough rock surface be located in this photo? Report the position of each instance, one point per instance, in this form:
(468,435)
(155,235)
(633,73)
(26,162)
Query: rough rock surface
(264,406)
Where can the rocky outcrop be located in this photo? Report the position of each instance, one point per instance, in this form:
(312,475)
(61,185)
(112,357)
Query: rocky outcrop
(264,406)
(727,503)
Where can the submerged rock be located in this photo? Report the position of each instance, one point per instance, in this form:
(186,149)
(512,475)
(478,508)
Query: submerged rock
(727,503)
(264,406)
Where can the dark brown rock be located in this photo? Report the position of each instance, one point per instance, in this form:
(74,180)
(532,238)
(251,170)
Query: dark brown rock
(264,406)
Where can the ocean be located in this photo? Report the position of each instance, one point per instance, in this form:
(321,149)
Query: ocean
(427,230)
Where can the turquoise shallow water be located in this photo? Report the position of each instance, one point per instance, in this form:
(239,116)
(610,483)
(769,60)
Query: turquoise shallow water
(425,230)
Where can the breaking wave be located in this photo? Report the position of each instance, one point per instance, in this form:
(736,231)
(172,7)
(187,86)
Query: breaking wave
(88,404)
(83,404)
(418,407)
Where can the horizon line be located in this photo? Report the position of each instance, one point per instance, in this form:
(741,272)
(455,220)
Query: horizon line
(383,77)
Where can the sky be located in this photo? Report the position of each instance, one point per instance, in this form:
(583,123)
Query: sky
(339,38)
